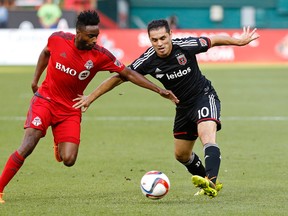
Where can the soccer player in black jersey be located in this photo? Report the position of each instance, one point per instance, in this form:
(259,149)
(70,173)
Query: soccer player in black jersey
(174,64)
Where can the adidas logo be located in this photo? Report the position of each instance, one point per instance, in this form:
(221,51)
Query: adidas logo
(63,54)
(159,76)
(157,70)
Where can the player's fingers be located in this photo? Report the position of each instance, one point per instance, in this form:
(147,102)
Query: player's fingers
(169,92)
(83,109)
(173,97)
(175,100)
(244,29)
(80,97)
(78,105)
(248,29)
(254,31)
(166,92)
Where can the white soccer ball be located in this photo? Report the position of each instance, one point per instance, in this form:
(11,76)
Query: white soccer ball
(155,185)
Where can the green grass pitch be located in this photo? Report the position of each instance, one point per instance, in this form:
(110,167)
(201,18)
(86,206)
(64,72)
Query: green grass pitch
(128,131)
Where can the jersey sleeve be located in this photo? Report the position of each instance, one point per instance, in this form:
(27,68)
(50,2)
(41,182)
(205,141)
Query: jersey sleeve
(141,64)
(53,40)
(50,41)
(194,45)
(110,62)
(204,43)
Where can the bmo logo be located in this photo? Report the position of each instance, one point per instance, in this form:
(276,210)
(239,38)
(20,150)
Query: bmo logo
(68,70)
(82,75)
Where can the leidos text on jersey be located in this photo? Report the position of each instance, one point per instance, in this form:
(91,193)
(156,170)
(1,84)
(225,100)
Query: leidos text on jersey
(178,74)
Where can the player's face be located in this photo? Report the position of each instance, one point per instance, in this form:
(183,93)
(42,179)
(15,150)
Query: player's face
(86,37)
(161,41)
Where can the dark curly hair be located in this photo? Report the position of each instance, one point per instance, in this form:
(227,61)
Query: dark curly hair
(156,24)
(89,17)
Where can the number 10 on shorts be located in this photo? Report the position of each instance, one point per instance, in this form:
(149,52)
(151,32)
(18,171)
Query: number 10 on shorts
(203,113)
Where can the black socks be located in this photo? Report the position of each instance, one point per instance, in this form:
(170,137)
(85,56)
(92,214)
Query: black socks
(212,158)
(195,166)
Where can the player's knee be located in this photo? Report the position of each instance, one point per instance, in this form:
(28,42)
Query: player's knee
(69,161)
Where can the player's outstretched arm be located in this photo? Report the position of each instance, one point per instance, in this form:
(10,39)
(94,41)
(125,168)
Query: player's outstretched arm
(84,102)
(141,81)
(40,67)
(245,38)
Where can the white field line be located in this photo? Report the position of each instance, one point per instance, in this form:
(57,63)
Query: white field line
(158,118)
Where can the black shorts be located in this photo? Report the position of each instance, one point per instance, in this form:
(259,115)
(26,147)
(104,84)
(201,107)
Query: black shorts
(206,107)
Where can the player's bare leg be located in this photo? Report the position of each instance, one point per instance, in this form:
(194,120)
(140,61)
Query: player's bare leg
(183,150)
(207,134)
(56,153)
(30,140)
(16,159)
(68,152)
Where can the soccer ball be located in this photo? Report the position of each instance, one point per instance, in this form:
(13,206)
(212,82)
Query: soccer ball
(155,185)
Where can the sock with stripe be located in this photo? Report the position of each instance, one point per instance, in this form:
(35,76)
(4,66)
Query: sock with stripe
(212,157)
(194,165)
(13,164)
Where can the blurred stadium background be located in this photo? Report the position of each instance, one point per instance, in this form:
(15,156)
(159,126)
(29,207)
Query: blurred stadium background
(136,13)
(126,129)
(123,24)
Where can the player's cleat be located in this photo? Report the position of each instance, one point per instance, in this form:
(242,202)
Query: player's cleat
(208,186)
(1,198)
(56,153)
(218,187)
(200,192)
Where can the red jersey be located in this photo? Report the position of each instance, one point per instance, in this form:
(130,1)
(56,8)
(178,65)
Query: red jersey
(70,70)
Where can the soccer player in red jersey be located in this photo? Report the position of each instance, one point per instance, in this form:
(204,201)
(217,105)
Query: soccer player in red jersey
(72,61)
(173,62)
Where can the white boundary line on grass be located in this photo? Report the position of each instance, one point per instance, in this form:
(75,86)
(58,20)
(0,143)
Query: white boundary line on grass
(158,118)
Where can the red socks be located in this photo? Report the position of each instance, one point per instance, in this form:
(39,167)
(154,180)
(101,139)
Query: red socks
(14,162)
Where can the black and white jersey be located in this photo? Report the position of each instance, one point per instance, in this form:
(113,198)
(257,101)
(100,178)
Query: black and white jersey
(179,72)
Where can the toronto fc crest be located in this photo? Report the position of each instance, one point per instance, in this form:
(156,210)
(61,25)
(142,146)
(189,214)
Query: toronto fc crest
(89,64)
(181,59)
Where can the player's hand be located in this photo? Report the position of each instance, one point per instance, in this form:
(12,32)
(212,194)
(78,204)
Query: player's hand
(169,95)
(247,36)
(34,87)
(83,103)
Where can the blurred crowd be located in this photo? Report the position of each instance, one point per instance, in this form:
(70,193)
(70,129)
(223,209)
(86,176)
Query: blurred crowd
(60,14)
(4,4)
(49,12)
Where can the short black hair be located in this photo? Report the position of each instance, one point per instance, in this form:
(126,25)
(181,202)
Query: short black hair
(156,24)
(89,17)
